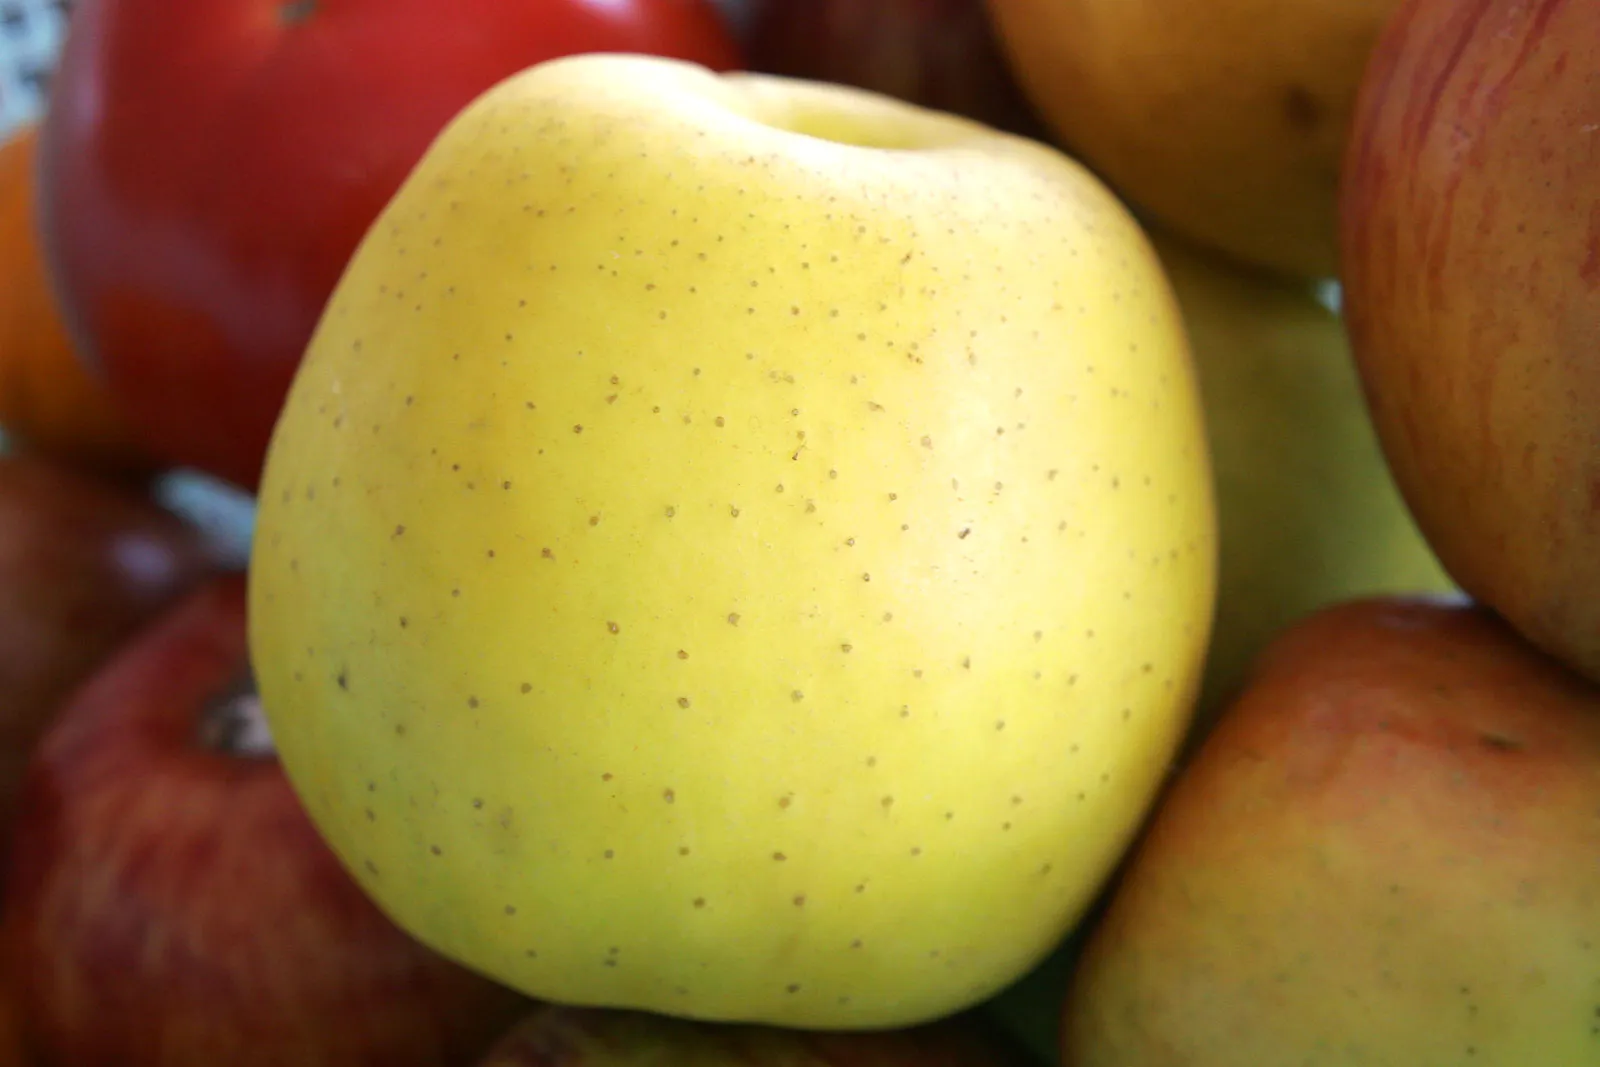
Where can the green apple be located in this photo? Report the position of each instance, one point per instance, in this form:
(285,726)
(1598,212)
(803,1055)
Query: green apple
(1308,512)
(738,548)
(1384,854)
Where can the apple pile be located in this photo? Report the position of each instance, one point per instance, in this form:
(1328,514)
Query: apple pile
(803,533)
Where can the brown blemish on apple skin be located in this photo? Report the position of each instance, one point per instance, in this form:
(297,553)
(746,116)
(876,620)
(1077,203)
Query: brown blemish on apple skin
(1302,109)
(1500,742)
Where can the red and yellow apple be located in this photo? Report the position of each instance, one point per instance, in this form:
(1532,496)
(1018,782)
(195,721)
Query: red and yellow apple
(1471,221)
(1385,853)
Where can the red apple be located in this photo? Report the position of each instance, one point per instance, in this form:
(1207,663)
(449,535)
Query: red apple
(942,54)
(83,565)
(1387,852)
(551,1036)
(1471,267)
(210,165)
(170,904)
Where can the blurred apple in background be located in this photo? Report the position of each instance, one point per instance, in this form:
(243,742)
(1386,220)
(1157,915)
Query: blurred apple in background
(83,565)
(573,1037)
(941,54)
(1384,854)
(1471,218)
(209,167)
(171,906)
(1223,119)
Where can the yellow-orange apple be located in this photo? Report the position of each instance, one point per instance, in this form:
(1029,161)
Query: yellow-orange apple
(1225,119)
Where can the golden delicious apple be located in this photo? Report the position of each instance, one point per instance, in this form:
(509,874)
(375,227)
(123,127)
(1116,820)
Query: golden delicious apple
(737,547)
(1384,854)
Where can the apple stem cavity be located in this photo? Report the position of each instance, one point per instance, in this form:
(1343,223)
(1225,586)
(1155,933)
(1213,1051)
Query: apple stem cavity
(235,723)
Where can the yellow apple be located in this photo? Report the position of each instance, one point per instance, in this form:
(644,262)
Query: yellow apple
(738,548)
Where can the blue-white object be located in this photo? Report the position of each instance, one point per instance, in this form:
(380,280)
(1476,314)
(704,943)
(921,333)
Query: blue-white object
(31,32)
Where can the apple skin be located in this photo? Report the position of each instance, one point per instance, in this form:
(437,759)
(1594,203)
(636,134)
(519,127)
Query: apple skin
(171,906)
(1471,253)
(1309,515)
(942,54)
(1384,854)
(556,1036)
(84,563)
(1224,120)
(769,580)
(196,214)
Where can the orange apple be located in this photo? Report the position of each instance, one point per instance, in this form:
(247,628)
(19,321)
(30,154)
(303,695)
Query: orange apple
(1471,268)
(1388,852)
(50,400)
